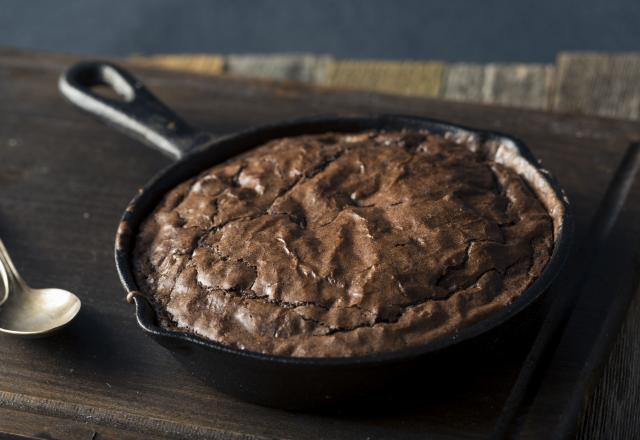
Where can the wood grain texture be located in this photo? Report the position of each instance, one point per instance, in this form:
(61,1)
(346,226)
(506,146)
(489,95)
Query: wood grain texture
(43,427)
(598,83)
(64,180)
(612,410)
(115,418)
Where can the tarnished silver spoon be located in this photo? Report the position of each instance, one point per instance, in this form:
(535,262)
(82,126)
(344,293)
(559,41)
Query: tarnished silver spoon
(25,311)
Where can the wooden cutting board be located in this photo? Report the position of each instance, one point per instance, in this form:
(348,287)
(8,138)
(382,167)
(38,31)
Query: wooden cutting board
(64,181)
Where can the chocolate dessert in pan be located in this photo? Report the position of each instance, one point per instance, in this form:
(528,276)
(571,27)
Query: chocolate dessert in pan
(318,261)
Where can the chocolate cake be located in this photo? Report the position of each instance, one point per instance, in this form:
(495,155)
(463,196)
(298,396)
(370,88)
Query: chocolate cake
(339,245)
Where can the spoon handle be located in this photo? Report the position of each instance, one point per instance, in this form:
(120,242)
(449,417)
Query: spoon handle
(10,269)
(4,293)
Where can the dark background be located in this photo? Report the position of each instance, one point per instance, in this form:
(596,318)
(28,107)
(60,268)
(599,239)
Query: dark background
(451,30)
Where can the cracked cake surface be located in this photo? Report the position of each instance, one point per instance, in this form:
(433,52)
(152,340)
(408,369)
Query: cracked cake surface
(342,244)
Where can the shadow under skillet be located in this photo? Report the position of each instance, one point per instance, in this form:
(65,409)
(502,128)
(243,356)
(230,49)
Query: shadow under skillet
(478,374)
(94,343)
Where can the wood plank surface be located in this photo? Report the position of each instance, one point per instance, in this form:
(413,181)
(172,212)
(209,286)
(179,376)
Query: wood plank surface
(64,180)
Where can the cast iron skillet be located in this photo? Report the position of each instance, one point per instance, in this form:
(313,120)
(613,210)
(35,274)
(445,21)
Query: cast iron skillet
(294,383)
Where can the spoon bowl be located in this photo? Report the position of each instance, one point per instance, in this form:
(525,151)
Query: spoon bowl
(37,311)
(25,311)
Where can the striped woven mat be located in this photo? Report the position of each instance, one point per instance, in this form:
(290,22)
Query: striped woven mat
(602,84)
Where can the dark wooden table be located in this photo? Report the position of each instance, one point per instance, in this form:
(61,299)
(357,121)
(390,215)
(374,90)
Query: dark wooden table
(64,180)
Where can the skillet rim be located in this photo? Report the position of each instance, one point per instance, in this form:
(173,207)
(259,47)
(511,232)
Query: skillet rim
(153,191)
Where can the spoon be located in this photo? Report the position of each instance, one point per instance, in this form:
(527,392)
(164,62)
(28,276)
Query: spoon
(25,311)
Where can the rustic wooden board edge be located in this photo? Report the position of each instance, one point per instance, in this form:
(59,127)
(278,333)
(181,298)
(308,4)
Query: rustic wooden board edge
(10,436)
(115,418)
(593,261)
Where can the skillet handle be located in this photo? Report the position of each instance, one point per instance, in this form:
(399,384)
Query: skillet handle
(138,114)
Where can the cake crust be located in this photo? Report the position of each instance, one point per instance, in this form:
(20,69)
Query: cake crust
(339,245)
